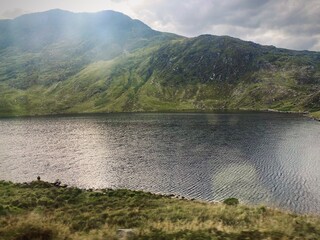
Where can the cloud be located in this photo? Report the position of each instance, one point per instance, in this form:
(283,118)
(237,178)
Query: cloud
(12,13)
(284,23)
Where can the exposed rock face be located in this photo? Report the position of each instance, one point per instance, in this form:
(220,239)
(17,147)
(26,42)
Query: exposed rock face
(125,233)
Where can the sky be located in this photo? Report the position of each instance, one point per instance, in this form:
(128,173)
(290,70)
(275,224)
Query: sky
(293,24)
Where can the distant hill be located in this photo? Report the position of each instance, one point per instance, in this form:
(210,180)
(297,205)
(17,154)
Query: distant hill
(62,62)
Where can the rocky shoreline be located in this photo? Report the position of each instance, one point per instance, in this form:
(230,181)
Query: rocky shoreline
(304,113)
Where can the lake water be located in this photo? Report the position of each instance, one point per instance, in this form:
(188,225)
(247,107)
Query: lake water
(260,158)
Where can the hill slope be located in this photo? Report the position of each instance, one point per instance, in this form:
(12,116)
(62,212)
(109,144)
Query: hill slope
(61,62)
(39,210)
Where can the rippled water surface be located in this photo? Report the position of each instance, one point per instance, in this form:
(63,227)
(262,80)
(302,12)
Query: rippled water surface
(260,158)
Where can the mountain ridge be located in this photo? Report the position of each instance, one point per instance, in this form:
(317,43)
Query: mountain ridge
(108,62)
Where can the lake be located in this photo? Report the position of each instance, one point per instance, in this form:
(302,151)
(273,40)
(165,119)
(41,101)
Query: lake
(260,158)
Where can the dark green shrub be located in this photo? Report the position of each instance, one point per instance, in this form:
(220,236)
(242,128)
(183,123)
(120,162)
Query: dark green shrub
(262,209)
(32,232)
(231,201)
(79,225)
(3,210)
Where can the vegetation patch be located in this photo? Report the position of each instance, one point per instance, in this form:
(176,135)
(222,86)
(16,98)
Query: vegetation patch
(315,115)
(40,210)
(231,201)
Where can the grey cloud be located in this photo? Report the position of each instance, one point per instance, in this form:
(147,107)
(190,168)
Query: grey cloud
(9,14)
(297,22)
(118,1)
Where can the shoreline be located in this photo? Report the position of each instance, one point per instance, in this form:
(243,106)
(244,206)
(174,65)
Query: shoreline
(311,115)
(315,115)
(173,196)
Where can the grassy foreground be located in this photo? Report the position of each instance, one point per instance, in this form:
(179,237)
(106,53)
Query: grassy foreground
(39,210)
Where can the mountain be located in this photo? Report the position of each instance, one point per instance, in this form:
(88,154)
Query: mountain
(51,46)
(62,62)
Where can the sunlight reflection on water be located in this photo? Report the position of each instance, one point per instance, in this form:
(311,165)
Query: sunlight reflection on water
(260,158)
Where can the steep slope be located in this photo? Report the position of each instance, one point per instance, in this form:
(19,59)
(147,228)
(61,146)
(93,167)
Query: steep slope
(204,73)
(49,47)
(241,74)
(100,31)
(108,62)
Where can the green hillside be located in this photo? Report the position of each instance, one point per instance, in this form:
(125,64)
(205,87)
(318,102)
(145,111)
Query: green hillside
(62,62)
